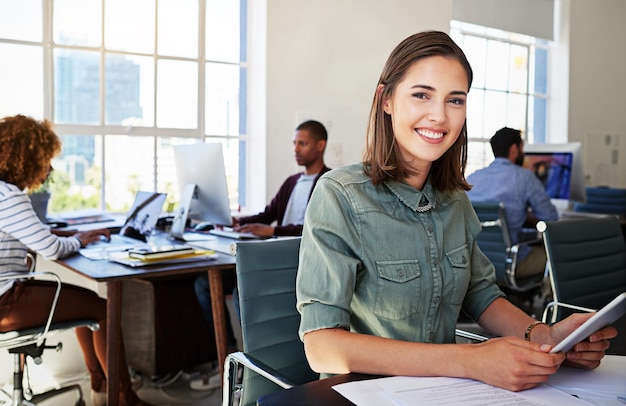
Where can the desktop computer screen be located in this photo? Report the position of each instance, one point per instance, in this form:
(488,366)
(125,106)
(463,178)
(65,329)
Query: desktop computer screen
(553,169)
(559,168)
(202,164)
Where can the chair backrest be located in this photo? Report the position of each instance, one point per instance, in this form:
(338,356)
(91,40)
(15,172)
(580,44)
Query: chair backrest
(586,260)
(494,239)
(266,280)
(604,200)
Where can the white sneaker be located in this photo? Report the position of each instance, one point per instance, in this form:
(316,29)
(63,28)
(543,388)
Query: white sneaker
(98,399)
(207,382)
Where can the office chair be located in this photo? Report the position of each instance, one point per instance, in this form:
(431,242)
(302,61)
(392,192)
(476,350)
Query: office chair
(31,342)
(604,200)
(495,241)
(273,355)
(586,264)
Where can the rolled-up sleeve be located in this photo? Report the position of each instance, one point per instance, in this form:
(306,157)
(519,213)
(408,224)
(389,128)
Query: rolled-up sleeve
(327,271)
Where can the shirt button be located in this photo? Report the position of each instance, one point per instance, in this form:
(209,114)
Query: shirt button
(464,259)
(436,299)
(429,228)
(401,273)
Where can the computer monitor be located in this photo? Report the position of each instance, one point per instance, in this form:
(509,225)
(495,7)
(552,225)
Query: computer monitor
(202,164)
(559,167)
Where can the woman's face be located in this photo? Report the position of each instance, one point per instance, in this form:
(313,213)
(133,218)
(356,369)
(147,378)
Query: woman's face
(427,109)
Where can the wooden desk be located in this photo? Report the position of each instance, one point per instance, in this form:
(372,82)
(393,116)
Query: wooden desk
(113,274)
(313,393)
(599,386)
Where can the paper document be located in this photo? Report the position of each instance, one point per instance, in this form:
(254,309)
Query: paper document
(436,391)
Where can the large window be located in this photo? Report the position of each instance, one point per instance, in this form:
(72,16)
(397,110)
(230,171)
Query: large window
(509,87)
(122,82)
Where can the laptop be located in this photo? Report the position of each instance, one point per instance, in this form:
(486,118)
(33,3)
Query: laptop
(140,222)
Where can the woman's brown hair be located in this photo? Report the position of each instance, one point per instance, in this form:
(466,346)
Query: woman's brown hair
(382,158)
(27,147)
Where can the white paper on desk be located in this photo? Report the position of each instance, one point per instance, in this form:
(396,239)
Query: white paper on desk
(600,386)
(436,391)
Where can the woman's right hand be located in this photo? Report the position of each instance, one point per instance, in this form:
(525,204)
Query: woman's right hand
(513,363)
(87,237)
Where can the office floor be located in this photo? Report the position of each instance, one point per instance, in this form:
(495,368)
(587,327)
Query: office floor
(67,367)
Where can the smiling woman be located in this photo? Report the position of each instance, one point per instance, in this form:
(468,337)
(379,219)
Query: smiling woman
(389,257)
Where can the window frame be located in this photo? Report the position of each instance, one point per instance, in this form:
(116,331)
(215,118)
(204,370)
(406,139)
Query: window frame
(480,154)
(48,48)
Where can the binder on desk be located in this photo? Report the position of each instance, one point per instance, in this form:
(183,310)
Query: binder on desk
(124,258)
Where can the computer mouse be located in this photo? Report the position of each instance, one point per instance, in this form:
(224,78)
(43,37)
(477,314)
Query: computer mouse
(203,226)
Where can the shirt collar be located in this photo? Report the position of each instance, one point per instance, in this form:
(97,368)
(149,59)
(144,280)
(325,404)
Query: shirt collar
(412,197)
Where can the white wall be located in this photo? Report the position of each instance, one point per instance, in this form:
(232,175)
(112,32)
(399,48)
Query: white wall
(597,85)
(324,58)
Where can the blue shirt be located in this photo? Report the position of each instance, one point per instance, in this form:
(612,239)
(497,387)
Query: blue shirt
(516,187)
(372,263)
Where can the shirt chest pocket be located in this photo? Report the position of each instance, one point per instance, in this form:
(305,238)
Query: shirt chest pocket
(459,259)
(397,289)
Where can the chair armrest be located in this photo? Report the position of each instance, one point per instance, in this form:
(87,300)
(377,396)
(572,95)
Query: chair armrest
(231,366)
(552,306)
(40,275)
(510,271)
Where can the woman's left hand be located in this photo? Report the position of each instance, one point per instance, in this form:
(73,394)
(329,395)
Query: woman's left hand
(588,353)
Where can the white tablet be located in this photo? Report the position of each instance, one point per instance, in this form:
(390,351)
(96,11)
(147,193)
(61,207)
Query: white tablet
(605,316)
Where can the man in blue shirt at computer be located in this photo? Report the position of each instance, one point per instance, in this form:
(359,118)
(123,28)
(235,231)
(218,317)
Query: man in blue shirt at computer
(523,195)
(283,216)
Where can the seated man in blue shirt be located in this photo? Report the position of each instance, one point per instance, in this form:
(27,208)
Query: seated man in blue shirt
(524,197)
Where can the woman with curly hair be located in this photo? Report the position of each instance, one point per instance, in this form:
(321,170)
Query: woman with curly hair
(27,147)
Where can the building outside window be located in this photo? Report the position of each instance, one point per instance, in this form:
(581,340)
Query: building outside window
(509,88)
(123,82)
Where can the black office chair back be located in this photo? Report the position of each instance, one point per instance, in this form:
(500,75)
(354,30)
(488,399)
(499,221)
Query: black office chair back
(604,200)
(586,259)
(266,280)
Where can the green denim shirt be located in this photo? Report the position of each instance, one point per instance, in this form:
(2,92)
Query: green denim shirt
(370,262)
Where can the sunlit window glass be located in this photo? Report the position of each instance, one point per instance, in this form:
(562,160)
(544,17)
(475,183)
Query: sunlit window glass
(147,73)
(21,81)
(222,30)
(77,22)
(222,99)
(178,28)
(518,74)
(21,20)
(129,163)
(77,176)
(129,25)
(177,96)
(129,90)
(77,89)
(497,70)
